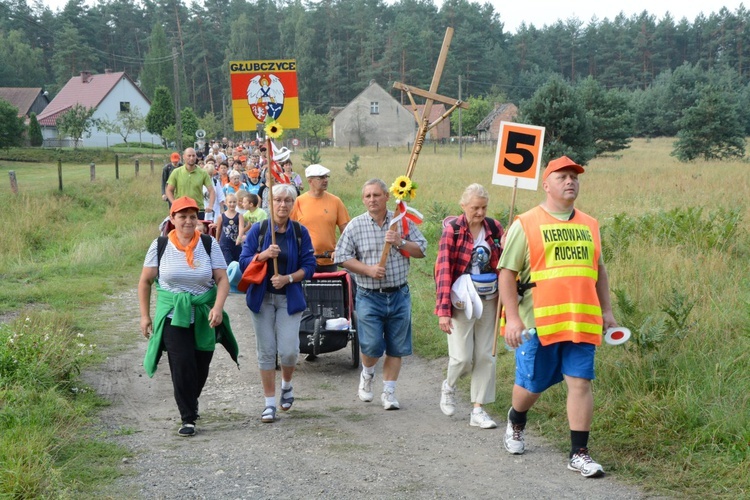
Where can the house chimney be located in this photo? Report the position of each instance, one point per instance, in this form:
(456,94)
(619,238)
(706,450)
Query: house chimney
(107,71)
(85,76)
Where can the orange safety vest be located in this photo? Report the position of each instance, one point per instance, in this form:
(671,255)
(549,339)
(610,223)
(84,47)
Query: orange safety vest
(564,258)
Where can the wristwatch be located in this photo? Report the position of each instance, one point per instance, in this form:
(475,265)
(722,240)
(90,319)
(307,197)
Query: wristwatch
(291,279)
(401,245)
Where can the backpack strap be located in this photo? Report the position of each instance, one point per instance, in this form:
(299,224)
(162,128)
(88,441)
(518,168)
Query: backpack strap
(262,234)
(161,246)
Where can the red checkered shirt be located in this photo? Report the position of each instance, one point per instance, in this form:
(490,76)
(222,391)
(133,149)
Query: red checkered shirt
(454,258)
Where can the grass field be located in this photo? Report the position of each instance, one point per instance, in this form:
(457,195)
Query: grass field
(672,405)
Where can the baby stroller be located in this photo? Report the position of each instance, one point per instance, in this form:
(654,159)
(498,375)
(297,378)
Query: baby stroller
(329,322)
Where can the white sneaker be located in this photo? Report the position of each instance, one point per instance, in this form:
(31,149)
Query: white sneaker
(583,463)
(448,399)
(514,441)
(482,420)
(388,398)
(365,387)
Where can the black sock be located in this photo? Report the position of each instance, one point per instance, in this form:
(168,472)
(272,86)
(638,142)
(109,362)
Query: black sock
(517,417)
(578,440)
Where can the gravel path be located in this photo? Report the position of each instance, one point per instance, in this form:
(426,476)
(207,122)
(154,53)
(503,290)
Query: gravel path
(329,445)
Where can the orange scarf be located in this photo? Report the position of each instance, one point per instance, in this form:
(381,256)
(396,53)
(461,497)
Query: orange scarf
(187,249)
(224,180)
(236,187)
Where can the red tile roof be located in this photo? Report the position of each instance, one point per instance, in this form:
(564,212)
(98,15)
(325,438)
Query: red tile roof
(20,97)
(86,89)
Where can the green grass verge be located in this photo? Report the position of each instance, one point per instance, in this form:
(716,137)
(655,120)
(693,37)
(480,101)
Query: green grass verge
(671,405)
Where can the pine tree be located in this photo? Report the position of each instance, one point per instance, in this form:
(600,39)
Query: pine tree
(161,114)
(557,107)
(35,132)
(711,128)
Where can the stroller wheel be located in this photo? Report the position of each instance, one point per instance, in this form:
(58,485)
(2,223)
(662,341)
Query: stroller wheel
(316,336)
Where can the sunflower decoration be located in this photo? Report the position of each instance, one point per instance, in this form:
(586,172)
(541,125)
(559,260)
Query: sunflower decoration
(273,130)
(404,188)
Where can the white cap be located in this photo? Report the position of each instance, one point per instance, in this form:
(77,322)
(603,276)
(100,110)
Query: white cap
(316,170)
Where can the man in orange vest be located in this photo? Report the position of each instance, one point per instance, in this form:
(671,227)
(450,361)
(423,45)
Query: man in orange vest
(552,256)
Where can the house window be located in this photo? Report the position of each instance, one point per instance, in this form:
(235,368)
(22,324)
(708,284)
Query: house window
(124,107)
(374,109)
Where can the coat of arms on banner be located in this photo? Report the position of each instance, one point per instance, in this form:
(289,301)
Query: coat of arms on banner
(265,95)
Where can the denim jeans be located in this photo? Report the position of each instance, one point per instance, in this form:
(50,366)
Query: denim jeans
(384,322)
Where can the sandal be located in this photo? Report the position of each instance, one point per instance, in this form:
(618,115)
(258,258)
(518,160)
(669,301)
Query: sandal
(268,415)
(286,399)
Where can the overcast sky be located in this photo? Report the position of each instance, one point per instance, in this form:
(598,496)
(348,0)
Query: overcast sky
(547,12)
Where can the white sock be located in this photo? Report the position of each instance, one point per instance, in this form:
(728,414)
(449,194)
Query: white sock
(271,401)
(389,385)
(368,370)
(476,409)
(286,385)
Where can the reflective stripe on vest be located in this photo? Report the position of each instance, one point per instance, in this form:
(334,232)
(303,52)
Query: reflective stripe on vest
(564,257)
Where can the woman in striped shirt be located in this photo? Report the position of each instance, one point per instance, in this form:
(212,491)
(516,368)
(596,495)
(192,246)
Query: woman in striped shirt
(192,285)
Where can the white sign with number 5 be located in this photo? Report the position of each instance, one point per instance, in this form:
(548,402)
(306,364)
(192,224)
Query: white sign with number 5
(519,155)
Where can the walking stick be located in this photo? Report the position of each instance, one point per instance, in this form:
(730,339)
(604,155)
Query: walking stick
(269,187)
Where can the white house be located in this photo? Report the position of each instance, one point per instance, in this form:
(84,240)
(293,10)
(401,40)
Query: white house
(374,117)
(108,93)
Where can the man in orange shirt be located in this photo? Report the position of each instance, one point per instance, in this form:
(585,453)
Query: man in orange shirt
(321,213)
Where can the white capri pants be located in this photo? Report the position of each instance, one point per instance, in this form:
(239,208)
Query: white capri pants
(470,350)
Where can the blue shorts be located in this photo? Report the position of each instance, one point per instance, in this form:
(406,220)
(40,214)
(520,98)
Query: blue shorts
(384,322)
(540,367)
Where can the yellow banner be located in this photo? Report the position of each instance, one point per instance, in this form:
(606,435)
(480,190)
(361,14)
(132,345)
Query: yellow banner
(262,89)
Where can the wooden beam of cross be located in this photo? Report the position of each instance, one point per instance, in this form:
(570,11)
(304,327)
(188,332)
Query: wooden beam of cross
(423,122)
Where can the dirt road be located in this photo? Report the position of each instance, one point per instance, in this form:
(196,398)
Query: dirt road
(330,445)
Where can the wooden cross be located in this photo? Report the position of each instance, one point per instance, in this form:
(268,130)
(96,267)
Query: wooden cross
(423,121)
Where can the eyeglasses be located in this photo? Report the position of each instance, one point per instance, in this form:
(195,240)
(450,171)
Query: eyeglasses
(279,201)
(319,177)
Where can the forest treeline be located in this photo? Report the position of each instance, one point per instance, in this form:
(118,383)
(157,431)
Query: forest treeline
(340,45)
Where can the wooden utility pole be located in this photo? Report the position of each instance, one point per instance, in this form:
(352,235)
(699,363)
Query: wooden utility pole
(177,114)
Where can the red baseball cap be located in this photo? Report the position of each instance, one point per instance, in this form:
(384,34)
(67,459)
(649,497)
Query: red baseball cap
(175,157)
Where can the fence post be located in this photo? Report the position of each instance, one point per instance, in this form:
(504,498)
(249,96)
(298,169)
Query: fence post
(117,166)
(13,181)
(137,167)
(377,147)
(434,147)
(92,168)
(59,174)
(152,166)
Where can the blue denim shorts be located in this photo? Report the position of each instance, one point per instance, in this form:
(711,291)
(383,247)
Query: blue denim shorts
(540,367)
(384,322)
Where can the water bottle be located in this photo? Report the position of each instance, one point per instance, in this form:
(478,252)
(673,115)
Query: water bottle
(526,334)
